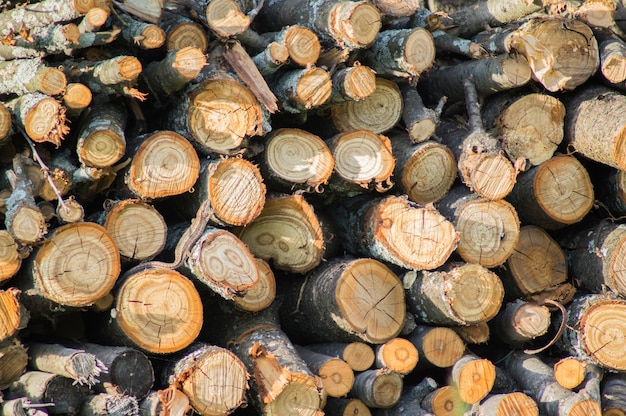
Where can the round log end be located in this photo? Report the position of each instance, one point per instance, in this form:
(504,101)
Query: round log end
(152,37)
(510,404)
(429,174)
(132,373)
(11,313)
(53,81)
(441,347)
(261,295)
(71,211)
(337,377)
(189,62)
(445,401)
(45,121)
(476,293)
(159,310)
(27,225)
(359,356)
(77,96)
(569,372)
(359,82)
(102,148)
(603,331)
(71,32)
(129,68)
(301,393)
(97,16)
(225,18)
(531,320)
(492,176)
(313,88)
(10,261)
(397,354)
(13,362)
(5,122)
(186,34)
(419,51)
(83,6)
(302,45)
(587,407)
(475,380)
(355,24)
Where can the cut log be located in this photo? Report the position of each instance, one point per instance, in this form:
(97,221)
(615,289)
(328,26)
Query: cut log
(76,364)
(101,141)
(391,229)
(378,389)
(346,407)
(141,34)
(537,380)
(95,18)
(536,266)
(175,71)
(108,76)
(76,98)
(182,32)
(591,127)
(224,18)
(156,310)
(464,293)
(61,393)
(302,44)
(378,112)
(569,372)
(474,334)
(612,50)
(352,83)
(77,265)
(23,76)
(163,164)
(613,403)
(530,126)
(41,116)
(488,229)
(45,13)
(13,316)
(364,298)
(516,403)
(359,355)
(438,347)
(473,378)
(271,59)
(10,259)
(170,401)
(520,322)
(411,400)
(445,401)
(396,8)
(295,159)
(302,89)
(425,172)
(262,294)
(213,378)
(13,362)
(109,404)
(288,233)
(397,354)
(557,193)
(130,372)
(419,120)
(363,162)
(337,376)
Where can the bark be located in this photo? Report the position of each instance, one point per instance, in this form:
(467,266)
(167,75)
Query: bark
(213,378)
(13,363)
(393,230)
(6,128)
(508,403)
(438,347)
(396,8)
(302,89)
(271,59)
(488,229)
(446,42)
(148,10)
(23,76)
(76,364)
(474,334)
(41,116)
(301,43)
(44,13)
(109,405)
(397,354)
(110,76)
(225,18)
(378,389)
(329,306)
(411,400)
(518,323)
(612,50)
(359,355)
(613,403)
(41,41)
(141,34)
(22,407)
(611,191)
(95,18)
(337,376)
(419,120)
(173,73)
(101,140)
(465,294)
(473,378)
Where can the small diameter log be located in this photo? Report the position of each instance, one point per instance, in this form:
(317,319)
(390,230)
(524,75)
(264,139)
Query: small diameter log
(218,115)
(507,404)
(378,389)
(465,294)
(611,191)
(6,128)
(364,298)
(213,378)
(473,378)
(612,61)
(110,76)
(537,380)
(295,159)
(554,194)
(104,404)
(156,310)
(60,392)
(163,164)
(393,230)
(95,18)
(288,233)
(438,347)
(411,400)
(473,334)
(76,98)
(10,259)
(23,76)
(519,322)
(262,294)
(530,126)
(175,71)
(594,330)
(562,54)
(129,372)
(77,265)
(445,401)
(425,172)
(536,266)
(359,355)
(346,407)
(141,34)
(138,229)
(613,403)
(491,75)
(101,141)
(41,116)
(397,354)
(378,112)
(13,315)
(595,255)
(570,372)
(45,13)
(182,32)
(70,211)
(302,44)
(404,53)
(346,24)
(13,363)
(302,89)
(167,401)
(271,59)
(419,120)
(73,363)
(591,127)
(363,162)
(488,229)
(337,376)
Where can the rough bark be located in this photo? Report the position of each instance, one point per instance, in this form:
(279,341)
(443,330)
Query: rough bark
(175,71)
(22,76)
(419,120)
(110,76)
(613,403)
(44,13)
(378,389)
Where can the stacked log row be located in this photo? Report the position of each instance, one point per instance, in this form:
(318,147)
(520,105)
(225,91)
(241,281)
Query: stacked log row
(312,207)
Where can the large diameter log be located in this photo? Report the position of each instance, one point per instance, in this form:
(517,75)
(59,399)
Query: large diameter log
(156,310)
(554,194)
(593,127)
(101,141)
(363,160)
(79,365)
(359,355)
(75,267)
(515,403)
(594,330)
(393,230)
(465,294)
(163,164)
(345,299)
(438,346)
(22,76)
(213,378)
(288,233)
(378,112)
(537,380)
(530,126)
(41,116)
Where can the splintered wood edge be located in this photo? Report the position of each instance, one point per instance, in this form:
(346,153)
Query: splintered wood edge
(10,313)
(261,295)
(45,121)
(70,211)
(429,174)
(362,157)
(302,45)
(165,164)
(442,347)
(603,331)
(10,261)
(371,300)
(476,293)
(159,310)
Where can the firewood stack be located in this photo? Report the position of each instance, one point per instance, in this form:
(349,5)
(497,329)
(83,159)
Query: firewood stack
(290,207)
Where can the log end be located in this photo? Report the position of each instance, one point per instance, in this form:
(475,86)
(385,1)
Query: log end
(429,174)
(302,45)
(10,260)
(189,62)
(186,34)
(77,96)
(355,24)
(152,37)
(262,294)
(225,18)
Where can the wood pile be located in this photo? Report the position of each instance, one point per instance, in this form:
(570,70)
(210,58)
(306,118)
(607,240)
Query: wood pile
(290,207)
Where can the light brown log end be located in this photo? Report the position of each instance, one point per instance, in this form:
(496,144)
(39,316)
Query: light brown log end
(445,401)
(83,6)
(186,34)
(359,356)
(419,51)
(10,261)
(28,225)
(313,88)
(378,388)
(189,62)
(225,18)
(152,37)
(102,148)
(53,81)
(70,211)
(474,334)
(397,8)
(601,332)
(429,173)
(359,83)
(509,404)
(129,68)
(12,314)
(354,24)
(397,354)
(77,96)
(569,372)
(474,378)
(490,175)
(262,294)
(302,45)
(13,362)
(45,120)
(439,346)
